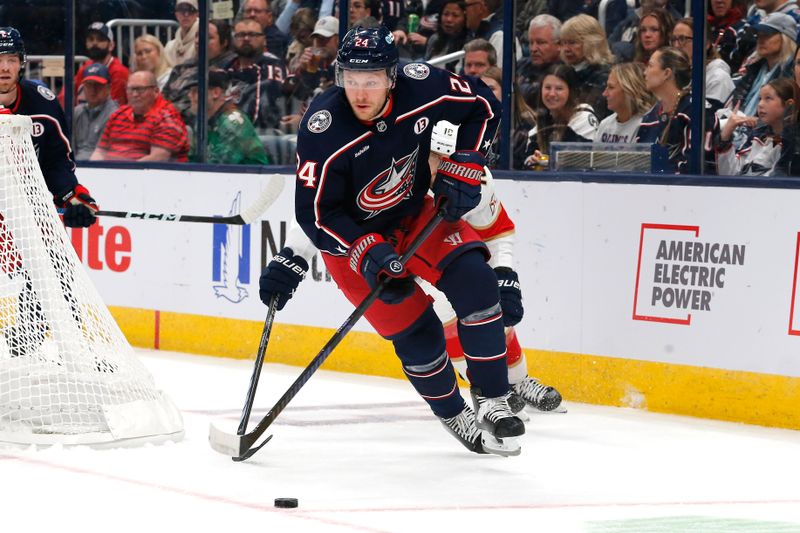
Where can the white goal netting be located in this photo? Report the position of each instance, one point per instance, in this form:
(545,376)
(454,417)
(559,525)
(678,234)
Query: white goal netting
(67,374)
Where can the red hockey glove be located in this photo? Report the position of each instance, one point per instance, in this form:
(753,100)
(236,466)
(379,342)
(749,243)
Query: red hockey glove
(375,259)
(458,180)
(79,207)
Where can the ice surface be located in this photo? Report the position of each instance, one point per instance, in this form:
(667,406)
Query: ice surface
(365,454)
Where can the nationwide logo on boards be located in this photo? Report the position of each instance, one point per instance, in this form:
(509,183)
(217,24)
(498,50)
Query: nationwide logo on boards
(679,273)
(232,251)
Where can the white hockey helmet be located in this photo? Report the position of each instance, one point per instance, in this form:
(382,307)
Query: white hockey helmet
(443,138)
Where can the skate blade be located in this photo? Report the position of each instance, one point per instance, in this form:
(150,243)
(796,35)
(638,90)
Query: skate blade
(561,409)
(506,447)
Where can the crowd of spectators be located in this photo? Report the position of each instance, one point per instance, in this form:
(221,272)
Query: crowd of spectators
(576,80)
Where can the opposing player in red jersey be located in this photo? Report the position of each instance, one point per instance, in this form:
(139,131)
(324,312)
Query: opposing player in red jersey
(491,222)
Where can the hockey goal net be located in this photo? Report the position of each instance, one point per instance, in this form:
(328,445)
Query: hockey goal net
(67,374)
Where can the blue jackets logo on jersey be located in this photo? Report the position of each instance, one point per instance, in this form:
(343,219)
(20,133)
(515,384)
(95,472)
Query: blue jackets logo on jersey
(319,121)
(390,187)
(418,71)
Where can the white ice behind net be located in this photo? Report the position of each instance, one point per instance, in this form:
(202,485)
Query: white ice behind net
(67,374)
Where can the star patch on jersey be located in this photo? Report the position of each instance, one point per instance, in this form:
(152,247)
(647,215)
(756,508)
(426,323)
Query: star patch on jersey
(389,187)
(45,92)
(418,71)
(320,121)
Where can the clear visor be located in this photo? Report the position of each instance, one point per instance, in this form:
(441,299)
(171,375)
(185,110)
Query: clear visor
(363,79)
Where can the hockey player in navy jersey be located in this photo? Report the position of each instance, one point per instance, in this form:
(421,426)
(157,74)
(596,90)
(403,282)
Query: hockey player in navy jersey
(50,131)
(51,141)
(361,197)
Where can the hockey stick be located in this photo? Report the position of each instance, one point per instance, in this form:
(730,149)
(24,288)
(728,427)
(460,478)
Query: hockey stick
(262,349)
(247,215)
(241,447)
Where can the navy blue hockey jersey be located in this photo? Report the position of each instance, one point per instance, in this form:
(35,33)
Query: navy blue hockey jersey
(50,135)
(355,178)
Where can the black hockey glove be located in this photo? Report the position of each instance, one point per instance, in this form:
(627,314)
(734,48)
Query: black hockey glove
(458,179)
(79,207)
(282,276)
(510,296)
(375,259)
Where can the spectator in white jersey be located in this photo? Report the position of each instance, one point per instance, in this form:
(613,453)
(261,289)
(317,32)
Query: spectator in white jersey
(719,84)
(629,99)
(90,117)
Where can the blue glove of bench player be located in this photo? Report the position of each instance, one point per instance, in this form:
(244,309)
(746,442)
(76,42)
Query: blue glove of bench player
(375,259)
(458,179)
(282,276)
(510,296)
(79,207)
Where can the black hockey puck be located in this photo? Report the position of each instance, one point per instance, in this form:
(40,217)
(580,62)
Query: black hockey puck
(286,503)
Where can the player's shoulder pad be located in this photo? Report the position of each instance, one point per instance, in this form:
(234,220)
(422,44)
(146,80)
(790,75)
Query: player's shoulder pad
(416,70)
(37,91)
(324,110)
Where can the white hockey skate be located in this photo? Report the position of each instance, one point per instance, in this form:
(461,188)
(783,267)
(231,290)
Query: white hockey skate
(499,427)
(530,391)
(462,427)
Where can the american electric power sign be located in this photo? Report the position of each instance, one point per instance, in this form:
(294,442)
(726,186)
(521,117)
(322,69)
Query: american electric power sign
(679,273)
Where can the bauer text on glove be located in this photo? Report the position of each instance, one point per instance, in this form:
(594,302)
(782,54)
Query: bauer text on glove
(282,276)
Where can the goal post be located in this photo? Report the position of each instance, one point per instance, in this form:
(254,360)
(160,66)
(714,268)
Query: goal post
(67,373)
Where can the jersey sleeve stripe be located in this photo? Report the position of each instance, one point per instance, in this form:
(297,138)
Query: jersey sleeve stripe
(60,134)
(434,102)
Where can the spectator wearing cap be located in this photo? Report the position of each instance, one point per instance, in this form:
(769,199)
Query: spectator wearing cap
(257,76)
(261,12)
(99,48)
(231,137)
(315,66)
(91,116)
(761,8)
(774,55)
(147,129)
(181,49)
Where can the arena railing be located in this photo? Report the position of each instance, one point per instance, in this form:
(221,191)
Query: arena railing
(126,31)
(698,7)
(49,69)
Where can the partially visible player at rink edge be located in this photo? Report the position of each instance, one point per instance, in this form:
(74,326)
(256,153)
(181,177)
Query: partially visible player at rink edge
(54,153)
(361,197)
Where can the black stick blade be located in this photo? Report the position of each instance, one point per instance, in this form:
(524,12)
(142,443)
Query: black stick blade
(235,446)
